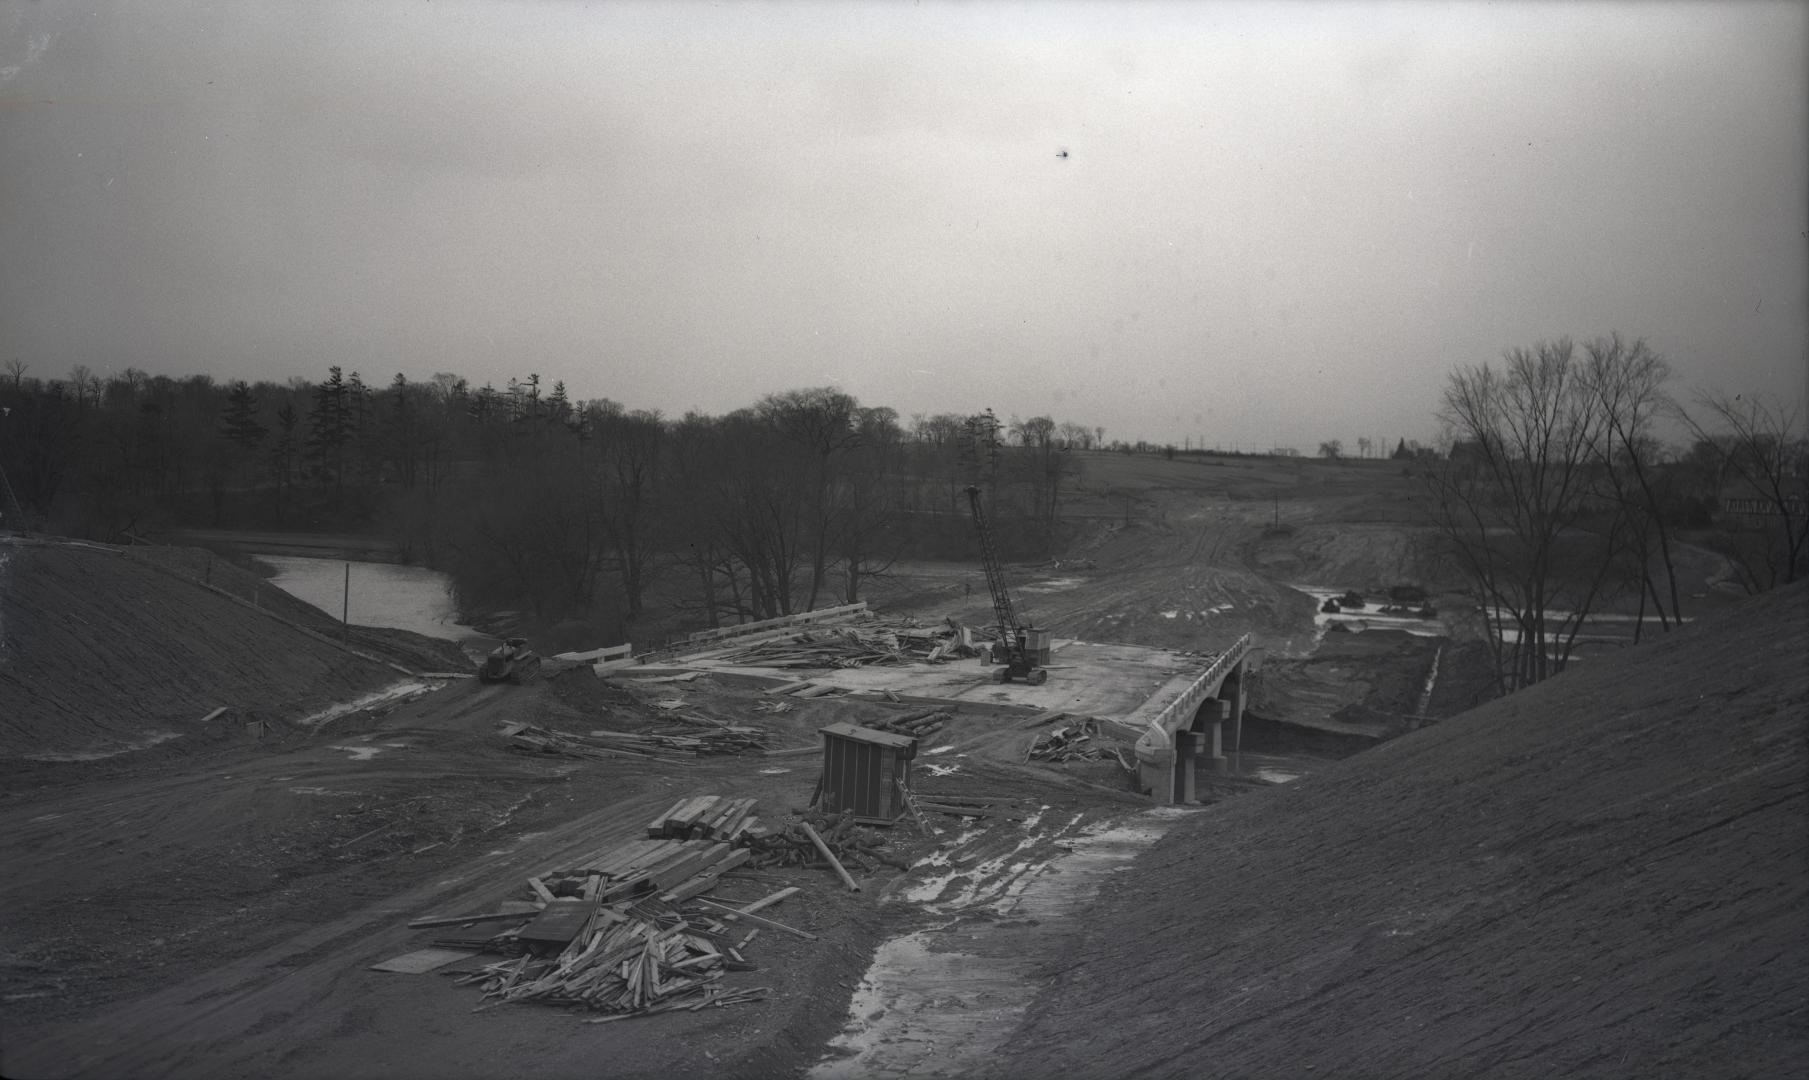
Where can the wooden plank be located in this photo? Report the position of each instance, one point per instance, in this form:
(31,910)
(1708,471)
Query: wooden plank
(727,826)
(701,882)
(789,687)
(608,861)
(847,878)
(658,853)
(422,961)
(794,751)
(706,822)
(562,921)
(769,901)
(695,813)
(819,690)
(210,716)
(541,890)
(669,876)
(657,827)
(733,913)
(462,920)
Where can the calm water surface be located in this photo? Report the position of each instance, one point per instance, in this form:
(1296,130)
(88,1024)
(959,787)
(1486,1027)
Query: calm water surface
(382,594)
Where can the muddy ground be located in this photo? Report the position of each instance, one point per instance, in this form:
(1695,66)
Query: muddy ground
(248,898)
(209,905)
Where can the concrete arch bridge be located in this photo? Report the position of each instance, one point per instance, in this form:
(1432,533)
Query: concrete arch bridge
(1188,731)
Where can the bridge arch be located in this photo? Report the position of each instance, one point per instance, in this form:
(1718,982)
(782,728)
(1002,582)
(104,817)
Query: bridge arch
(1191,729)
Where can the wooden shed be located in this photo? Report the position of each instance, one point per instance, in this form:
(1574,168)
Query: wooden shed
(866,771)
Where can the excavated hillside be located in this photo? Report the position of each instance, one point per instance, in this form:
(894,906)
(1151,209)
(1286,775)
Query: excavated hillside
(104,650)
(1605,875)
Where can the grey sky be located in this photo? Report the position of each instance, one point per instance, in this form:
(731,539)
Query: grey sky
(1275,223)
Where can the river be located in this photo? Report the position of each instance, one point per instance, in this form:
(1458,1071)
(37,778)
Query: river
(382,594)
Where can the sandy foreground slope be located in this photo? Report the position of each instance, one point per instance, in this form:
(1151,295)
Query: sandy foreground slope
(1604,875)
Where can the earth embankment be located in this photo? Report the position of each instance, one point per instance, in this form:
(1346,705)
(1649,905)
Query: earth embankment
(104,650)
(1604,875)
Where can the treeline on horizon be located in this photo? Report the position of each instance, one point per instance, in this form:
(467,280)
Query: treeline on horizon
(564,510)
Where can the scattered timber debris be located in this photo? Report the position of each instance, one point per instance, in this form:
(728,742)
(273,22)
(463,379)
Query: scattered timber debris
(968,806)
(627,931)
(715,738)
(1074,742)
(838,841)
(850,647)
(918,724)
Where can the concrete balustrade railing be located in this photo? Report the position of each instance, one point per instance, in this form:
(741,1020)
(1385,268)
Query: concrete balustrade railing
(1180,711)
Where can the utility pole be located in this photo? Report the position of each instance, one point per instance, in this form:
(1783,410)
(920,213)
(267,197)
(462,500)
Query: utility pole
(345,605)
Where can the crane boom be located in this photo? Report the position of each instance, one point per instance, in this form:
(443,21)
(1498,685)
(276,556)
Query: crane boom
(1018,663)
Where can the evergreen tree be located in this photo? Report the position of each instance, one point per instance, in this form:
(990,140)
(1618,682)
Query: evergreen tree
(283,453)
(330,429)
(239,422)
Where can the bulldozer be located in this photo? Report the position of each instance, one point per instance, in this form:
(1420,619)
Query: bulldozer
(512,661)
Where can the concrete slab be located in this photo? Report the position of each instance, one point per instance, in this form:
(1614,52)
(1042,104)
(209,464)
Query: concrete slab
(1090,678)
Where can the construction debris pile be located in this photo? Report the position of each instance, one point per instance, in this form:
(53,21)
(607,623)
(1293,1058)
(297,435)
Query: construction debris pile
(1074,742)
(711,738)
(851,647)
(968,806)
(824,842)
(636,961)
(628,931)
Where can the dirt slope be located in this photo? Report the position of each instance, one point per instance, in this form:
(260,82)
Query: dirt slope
(1602,876)
(100,652)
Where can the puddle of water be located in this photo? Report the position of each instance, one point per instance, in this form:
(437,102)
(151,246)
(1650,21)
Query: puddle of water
(1171,614)
(319,791)
(942,1001)
(360,753)
(382,594)
(394,692)
(1276,776)
(943,749)
(773,772)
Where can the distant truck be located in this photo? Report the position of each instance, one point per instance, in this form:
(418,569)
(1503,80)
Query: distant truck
(512,661)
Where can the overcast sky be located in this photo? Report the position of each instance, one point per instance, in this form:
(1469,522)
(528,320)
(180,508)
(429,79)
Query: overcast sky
(1262,224)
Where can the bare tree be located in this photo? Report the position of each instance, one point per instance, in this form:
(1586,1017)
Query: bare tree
(1510,498)
(1764,462)
(1628,383)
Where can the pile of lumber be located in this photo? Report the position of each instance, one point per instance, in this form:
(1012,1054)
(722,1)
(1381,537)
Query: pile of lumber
(713,738)
(823,841)
(849,647)
(706,817)
(628,961)
(627,930)
(1074,742)
(918,725)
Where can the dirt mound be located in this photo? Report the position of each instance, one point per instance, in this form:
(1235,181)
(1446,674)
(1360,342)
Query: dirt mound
(100,652)
(1604,875)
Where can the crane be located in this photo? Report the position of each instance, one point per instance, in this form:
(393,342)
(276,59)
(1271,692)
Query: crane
(1013,649)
